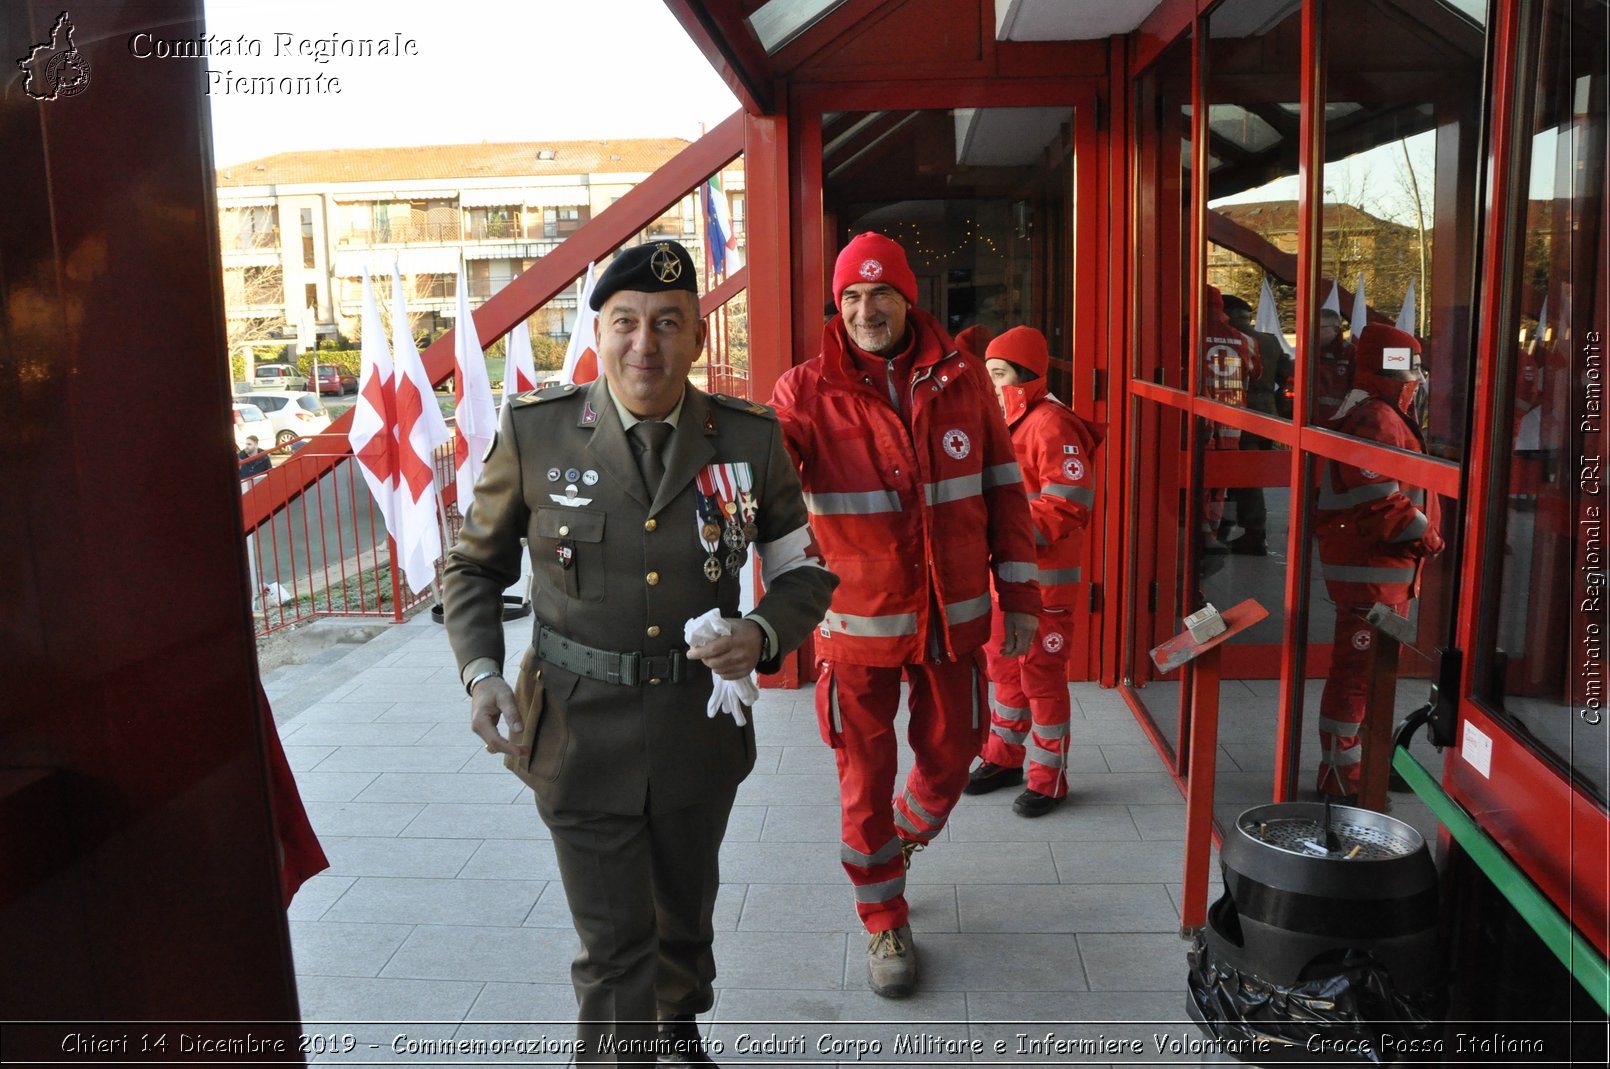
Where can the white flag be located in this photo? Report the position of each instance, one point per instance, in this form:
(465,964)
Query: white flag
(420,429)
(1334,301)
(581,357)
(724,254)
(1268,318)
(1408,314)
(475,418)
(1361,310)
(373,433)
(519,370)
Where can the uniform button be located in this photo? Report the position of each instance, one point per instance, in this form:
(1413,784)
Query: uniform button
(654,679)
(563,531)
(653,578)
(654,631)
(650,525)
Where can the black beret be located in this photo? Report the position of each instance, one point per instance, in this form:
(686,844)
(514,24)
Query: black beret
(652,268)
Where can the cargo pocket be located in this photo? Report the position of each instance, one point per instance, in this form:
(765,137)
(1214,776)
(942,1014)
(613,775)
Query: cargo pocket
(829,720)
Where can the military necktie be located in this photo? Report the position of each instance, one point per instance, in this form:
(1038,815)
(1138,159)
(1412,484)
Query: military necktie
(649,438)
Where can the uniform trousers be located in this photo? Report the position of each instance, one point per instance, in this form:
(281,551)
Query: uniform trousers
(855,707)
(1030,704)
(1345,701)
(642,891)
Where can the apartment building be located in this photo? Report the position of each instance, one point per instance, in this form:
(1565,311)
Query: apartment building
(297,229)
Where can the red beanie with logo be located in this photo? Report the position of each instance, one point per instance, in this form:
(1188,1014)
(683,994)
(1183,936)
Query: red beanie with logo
(874,258)
(1379,347)
(1023,346)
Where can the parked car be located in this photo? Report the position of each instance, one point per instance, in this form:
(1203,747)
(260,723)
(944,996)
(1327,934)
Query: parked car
(278,377)
(250,422)
(332,379)
(292,413)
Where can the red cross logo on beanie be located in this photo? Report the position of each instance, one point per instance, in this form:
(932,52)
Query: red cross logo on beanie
(871,270)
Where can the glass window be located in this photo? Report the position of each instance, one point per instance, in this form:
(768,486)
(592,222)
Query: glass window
(307,237)
(1544,634)
(1163,216)
(1402,184)
(776,22)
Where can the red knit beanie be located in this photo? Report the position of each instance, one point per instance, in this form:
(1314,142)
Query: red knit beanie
(1383,348)
(974,339)
(874,258)
(1023,346)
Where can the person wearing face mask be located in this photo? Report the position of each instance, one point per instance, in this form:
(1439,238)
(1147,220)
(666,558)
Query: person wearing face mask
(1374,534)
(1030,709)
(917,503)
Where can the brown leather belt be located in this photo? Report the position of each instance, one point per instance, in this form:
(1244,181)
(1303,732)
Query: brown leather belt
(628,669)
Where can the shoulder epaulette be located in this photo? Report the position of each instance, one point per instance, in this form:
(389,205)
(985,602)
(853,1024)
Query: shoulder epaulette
(547,393)
(743,404)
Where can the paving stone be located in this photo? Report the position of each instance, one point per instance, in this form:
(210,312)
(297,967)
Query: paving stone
(1159,821)
(334,1000)
(394,759)
(317,895)
(810,789)
(1041,963)
(325,948)
(754,862)
(303,758)
(801,824)
(1158,862)
(511,859)
(343,734)
(1029,908)
(465,952)
(780,960)
(1134,962)
(361,818)
(1072,821)
(381,899)
(340,713)
(395,856)
(478,820)
(983,862)
(442,787)
(796,907)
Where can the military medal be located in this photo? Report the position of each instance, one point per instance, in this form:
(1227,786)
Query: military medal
(566,554)
(735,561)
(748,508)
(709,532)
(712,568)
(734,537)
(707,522)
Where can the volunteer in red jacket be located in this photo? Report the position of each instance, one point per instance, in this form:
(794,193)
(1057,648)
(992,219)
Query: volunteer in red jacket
(916,499)
(1373,536)
(1054,450)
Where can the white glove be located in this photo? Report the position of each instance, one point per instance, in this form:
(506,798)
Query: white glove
(729,695)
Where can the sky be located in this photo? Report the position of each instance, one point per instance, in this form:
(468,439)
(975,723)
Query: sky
(481,70)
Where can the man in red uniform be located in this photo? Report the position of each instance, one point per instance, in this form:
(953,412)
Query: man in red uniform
(1054,449)
(916,499)
(1373,536)
(1333,372)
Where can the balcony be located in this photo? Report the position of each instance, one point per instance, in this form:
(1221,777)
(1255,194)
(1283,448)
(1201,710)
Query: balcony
(402,234)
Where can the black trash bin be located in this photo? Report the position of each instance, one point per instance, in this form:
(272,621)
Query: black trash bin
(1322,950)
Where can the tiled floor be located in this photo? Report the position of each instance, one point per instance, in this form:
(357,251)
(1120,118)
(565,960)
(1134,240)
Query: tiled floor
(441,919)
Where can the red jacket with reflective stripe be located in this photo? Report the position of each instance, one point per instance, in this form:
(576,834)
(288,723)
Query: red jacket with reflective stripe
(912,516)
(1373,533)
(1055,450)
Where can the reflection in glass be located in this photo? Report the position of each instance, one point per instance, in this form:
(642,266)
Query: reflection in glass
(1547,556)
(776,22)
(1401,184)
(1163,217)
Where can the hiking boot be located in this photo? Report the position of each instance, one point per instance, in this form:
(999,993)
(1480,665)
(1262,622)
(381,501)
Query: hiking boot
(909,847)
(988,777)
(1250,545)
(891,959)
(1034,804)
(680,1042)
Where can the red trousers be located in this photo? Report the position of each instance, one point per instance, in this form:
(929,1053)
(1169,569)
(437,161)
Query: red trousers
(1031,703)
(1345,701)
(855,708)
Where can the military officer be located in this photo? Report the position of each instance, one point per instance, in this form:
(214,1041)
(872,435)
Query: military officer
(640,497)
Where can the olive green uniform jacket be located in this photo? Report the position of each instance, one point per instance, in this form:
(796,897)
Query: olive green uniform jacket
(617,572)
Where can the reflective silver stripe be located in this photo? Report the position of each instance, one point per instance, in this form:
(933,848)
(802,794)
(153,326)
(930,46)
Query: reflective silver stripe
(881,892)
(865,503)
(1060,576)
(887,852)
(1052,731)
(1350,756)
(1358,495)
(1017,571)
(1340,728)
(959,488)
(1009,712)
(960,612)
(1358,573)
(977,712)
(911,804)
(902,623)
(1002,475)
(1416,497)
(1016,738)
(1041,756)
(903,821)
(1416,528)
(1082,495)
(833,707)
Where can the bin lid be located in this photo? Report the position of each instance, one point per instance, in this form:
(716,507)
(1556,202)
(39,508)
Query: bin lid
(1359,834)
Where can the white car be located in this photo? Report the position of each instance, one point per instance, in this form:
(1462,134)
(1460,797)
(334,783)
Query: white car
(251,423)
(293,413)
